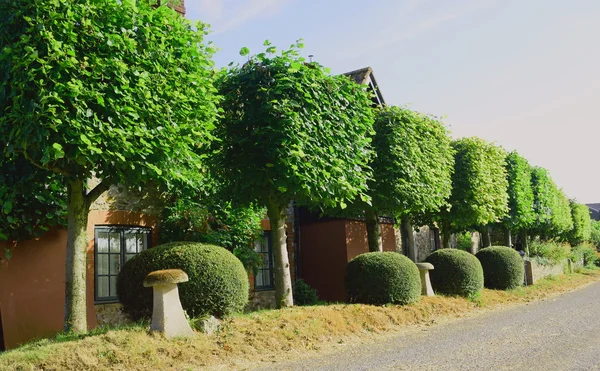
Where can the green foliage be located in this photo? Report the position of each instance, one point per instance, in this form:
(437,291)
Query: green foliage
(304,294)
(595,233)
(586,254)
(463,241)
(105,88)
(289,131)
(382,278)
(552,207)
(502,267)
(479,194)
(582,224)
(215,222)
(414,163)
(455,272)
(218,284)
(549,252)
(521,213)
(31,200)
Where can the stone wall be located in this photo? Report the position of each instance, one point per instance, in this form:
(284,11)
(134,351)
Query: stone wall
(111,315)
(535,271)
(261,300)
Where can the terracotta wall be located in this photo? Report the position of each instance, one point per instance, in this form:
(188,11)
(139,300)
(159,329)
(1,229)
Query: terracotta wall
(327,246)
(323,258)
(32,281)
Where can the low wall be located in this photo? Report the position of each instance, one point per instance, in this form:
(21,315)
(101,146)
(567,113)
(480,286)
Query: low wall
(535,271)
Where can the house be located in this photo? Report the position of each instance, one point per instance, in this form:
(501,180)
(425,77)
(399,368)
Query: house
(594,211)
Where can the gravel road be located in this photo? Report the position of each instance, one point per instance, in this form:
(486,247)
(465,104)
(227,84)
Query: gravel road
(561,333)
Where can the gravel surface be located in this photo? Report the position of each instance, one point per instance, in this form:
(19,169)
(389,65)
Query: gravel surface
(561,333)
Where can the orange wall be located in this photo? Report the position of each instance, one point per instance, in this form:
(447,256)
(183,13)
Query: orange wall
(325,249)
(32,282)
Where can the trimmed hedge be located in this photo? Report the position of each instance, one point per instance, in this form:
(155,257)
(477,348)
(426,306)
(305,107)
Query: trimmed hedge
(502,267)
(304,294)
(218,283)
(455,272)
(382,278)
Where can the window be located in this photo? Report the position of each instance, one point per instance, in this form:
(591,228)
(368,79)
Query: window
(264,278)
(114,245)
(434,238)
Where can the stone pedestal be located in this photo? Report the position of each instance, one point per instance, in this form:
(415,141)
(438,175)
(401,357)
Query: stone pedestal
(424,268)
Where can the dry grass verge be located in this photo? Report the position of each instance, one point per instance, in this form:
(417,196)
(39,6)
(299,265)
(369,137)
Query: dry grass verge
(265,336)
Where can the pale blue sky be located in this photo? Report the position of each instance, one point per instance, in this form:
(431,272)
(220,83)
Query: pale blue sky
(524,74)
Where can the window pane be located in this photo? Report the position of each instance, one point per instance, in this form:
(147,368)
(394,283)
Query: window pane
(102,241)
(259,280)
(113,286)
(102,287)
(142,241)
(102,264)
(115,242)
(115,263)
(130,243)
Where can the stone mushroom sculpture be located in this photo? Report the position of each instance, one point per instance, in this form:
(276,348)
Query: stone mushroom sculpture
(167,312)
(424,268)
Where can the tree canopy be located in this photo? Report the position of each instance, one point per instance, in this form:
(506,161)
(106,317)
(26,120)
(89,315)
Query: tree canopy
(414,163)
(290,131)
(479,194)
(521,213)
(582,224)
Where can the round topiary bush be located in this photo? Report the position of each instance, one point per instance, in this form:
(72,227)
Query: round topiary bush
(382,278)
(502,267)
(455,272)
(218,283)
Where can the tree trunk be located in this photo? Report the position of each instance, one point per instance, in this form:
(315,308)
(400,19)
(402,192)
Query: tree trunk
(525,241)
(446,237)
(508,237)
(283,278)
(75,280)
(373,231)
(475,239)
(485,235)
(398,238)
(408,239)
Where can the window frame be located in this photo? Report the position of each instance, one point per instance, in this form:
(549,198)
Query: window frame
(267,237)
(122,230)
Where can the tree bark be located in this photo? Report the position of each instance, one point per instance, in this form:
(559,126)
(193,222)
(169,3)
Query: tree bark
(75,280)
(373,231)
(508,237)
(485,235)
(446,236)
(525,241)
(283,278)
(408,239)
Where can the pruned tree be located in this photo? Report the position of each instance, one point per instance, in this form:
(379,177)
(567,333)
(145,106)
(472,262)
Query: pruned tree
(104,89)
(582,224)
(552,207)
(521,215)
(289,131)
(479,187)
(412,172)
